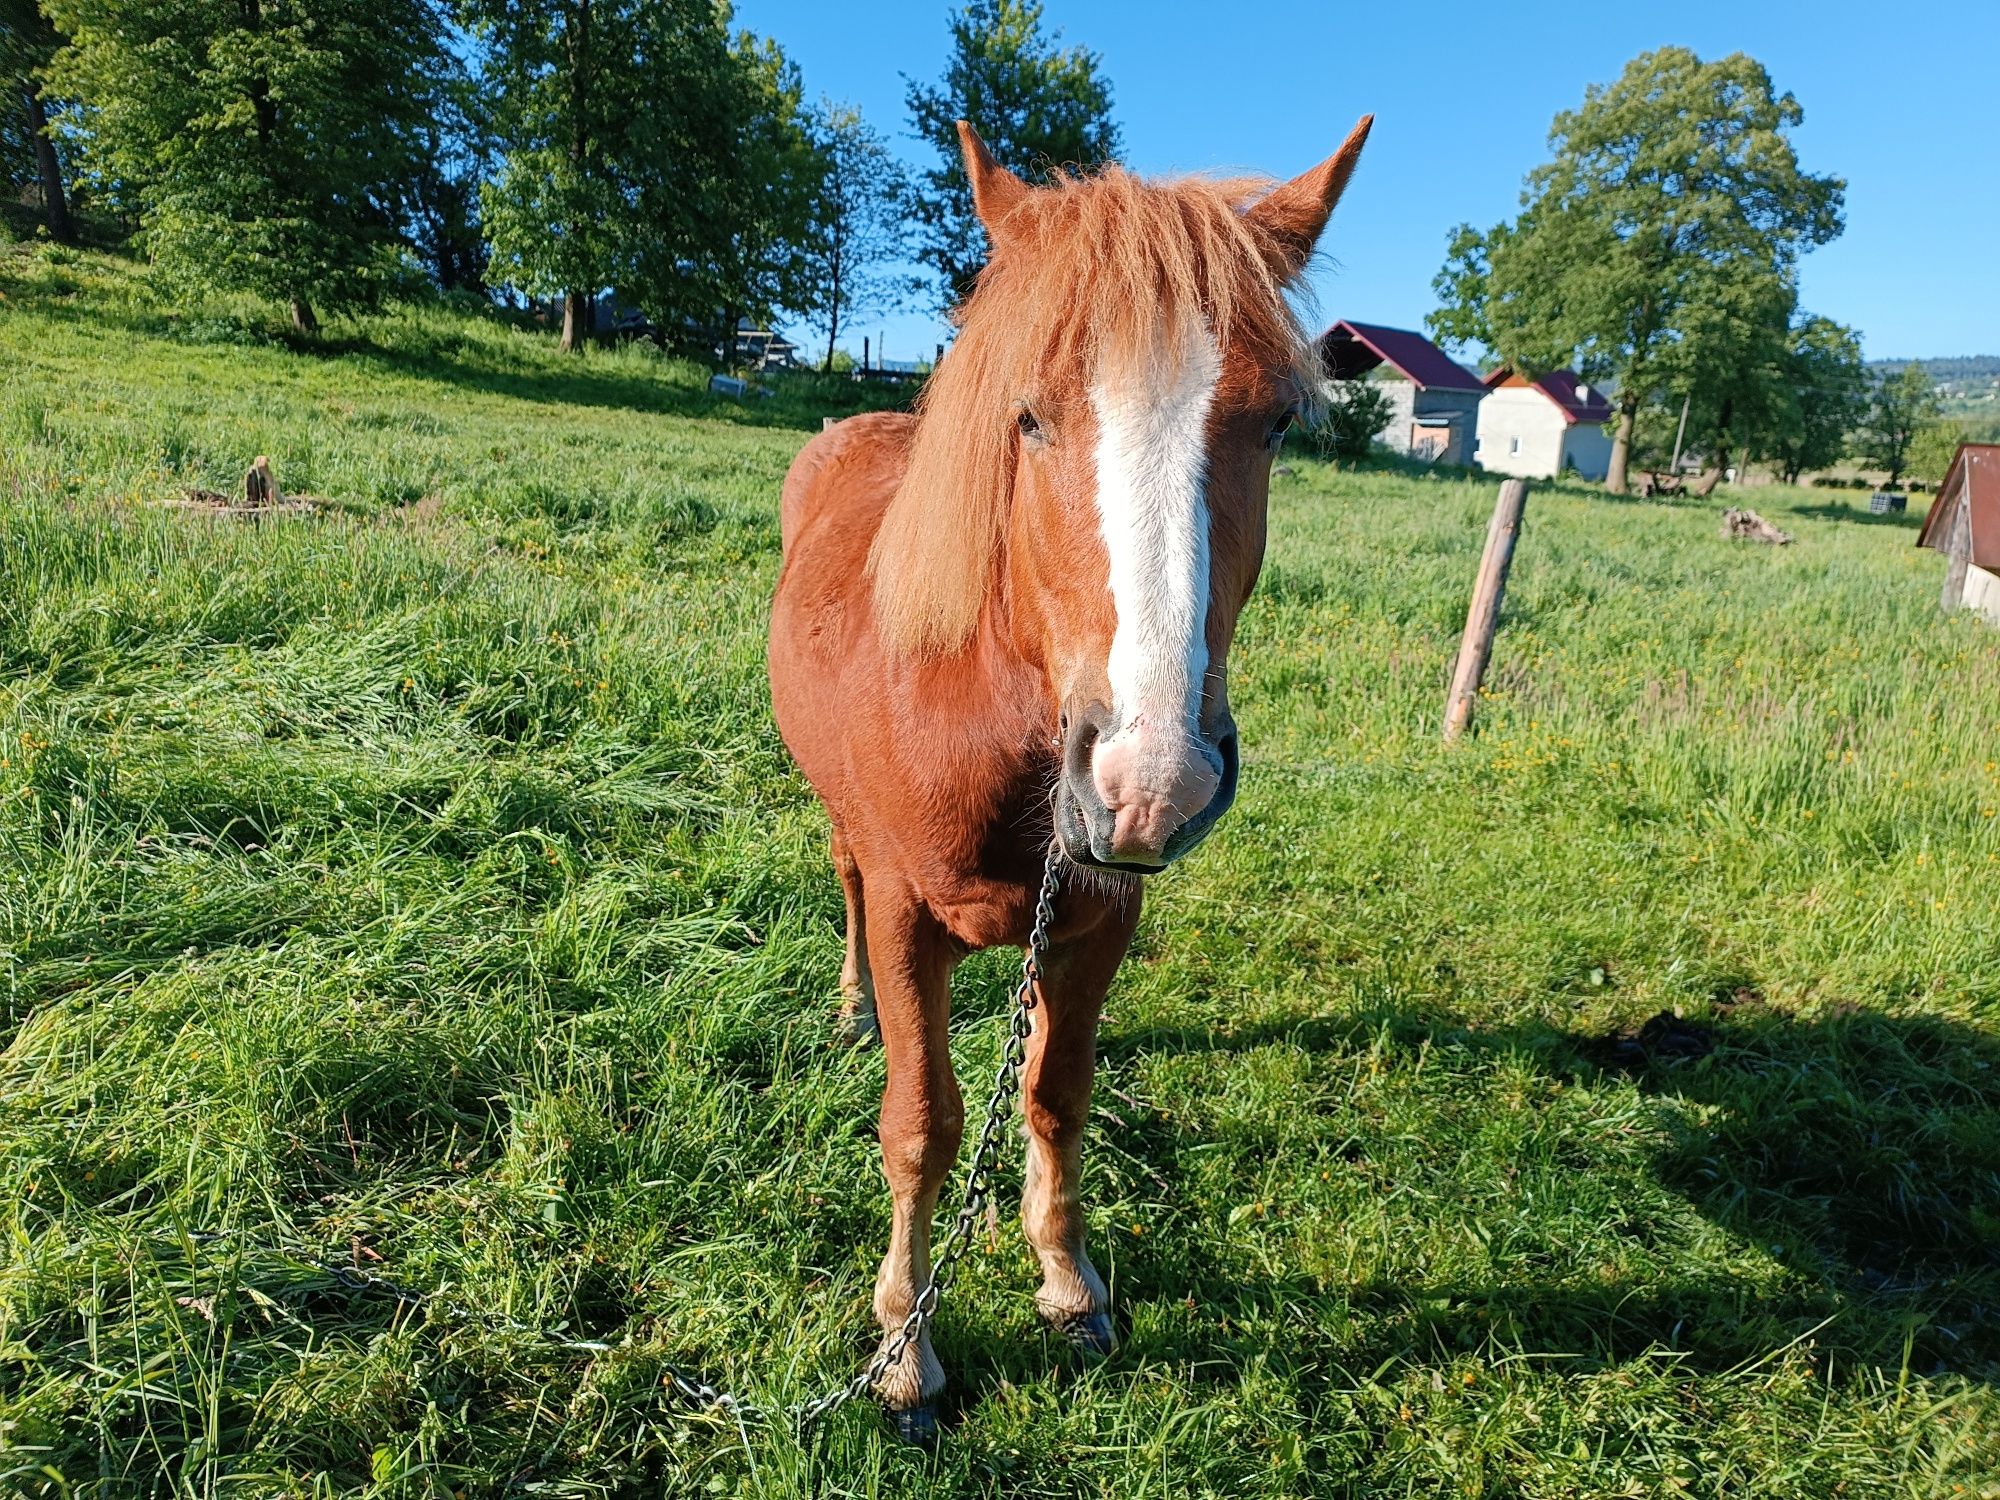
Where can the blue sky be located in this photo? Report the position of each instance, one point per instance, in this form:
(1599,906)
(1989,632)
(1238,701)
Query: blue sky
(1899,99)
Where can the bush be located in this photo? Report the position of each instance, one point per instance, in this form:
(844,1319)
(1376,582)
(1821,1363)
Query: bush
(1355,411)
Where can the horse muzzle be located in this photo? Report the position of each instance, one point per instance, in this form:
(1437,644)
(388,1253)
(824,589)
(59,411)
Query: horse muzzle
(1138,802)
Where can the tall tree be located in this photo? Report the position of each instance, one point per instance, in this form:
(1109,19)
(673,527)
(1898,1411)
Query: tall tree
(1824,397)
(689,205)
(1902,405)
(1038,105)
(1662,191)
(1728,364)
(28,42)
(455,154)
(748,258)
(268,141)
(857,227)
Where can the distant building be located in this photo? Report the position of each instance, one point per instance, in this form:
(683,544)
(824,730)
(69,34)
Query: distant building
(1964,524)
(760,349)
(1435,399)
(1540,428)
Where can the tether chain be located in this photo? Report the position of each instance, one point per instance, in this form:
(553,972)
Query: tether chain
(973,1199)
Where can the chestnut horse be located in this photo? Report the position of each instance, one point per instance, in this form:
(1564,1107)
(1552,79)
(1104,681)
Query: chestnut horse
(1008,617)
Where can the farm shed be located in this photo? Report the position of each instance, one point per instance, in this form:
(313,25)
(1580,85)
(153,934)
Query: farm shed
(1964,524)
(1539,428)
(1435,399)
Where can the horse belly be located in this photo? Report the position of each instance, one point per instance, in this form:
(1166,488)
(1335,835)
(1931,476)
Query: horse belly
(822,629)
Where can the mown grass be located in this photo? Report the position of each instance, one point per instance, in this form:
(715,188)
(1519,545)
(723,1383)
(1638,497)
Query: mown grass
(420,885)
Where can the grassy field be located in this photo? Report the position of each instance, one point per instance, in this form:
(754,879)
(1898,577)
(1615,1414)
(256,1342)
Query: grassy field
(421,886)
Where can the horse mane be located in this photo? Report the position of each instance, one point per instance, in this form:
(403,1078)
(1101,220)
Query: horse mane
(1091,264)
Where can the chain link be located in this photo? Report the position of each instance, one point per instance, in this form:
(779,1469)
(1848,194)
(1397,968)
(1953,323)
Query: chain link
(975,1194)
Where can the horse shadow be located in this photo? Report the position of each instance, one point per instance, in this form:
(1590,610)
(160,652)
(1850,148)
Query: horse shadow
(1861,1149)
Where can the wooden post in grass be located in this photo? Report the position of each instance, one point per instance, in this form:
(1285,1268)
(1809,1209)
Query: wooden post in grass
(1484,615)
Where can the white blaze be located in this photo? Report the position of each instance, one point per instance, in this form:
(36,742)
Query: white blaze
(1152,503)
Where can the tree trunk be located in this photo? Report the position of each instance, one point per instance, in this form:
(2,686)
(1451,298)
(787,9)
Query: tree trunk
(1712,474)
(579,320)
(833,294)
(303,317)
(1621,445)
(55,204)
(579,303)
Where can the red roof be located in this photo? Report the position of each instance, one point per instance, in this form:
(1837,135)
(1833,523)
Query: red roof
(1972,479)
(1563,387)
(1350,350)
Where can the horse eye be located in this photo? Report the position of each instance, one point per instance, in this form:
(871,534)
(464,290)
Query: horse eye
(1283,426)
(1025,420)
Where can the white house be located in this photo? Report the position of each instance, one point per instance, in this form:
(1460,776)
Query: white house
(1541,428)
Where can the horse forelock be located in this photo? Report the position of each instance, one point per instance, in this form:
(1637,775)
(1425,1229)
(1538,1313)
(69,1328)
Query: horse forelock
(1097,272)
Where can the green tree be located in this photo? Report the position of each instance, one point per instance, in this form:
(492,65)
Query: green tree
(1038,106)
(268,142)
(690,206)
(751,259)
(1823,398)
(1663,194)
(28,42)
(857,230)
(1727,367)
(455,154)
(1902,405)
(1934,447)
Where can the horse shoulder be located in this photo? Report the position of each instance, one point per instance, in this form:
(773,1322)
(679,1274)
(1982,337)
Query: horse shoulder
(852,466)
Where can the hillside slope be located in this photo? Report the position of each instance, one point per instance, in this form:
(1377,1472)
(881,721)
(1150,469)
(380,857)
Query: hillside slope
(420,887)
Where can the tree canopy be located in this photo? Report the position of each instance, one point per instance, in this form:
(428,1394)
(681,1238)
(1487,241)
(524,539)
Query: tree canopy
(267,142)
(691,207)
(857,226)
(1822,399)
(1657,246)
(1039,106)
(1902,406)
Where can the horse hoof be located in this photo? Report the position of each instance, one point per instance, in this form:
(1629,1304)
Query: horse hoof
(1090,1332)
(916,1425)
(851,1030)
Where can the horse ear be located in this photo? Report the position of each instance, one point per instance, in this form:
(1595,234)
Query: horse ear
(995,190)
(1294,213)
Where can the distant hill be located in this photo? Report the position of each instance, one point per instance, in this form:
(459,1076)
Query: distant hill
(1961,367)
(1968,384)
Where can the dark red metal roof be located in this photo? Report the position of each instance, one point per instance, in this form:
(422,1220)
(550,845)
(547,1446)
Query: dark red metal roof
(1349,350)
(1974,473)
(1562,387)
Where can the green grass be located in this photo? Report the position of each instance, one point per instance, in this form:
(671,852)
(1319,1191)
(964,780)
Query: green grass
(422,884)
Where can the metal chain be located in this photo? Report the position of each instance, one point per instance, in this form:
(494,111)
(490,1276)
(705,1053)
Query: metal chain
(978,1187)
(974,1196)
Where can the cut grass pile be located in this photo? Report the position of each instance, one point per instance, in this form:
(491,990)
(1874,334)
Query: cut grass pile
(421,886)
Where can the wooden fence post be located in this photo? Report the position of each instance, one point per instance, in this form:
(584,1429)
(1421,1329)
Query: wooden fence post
(1484,615)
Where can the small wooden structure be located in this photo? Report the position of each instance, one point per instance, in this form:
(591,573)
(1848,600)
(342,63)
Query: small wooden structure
(1964,524)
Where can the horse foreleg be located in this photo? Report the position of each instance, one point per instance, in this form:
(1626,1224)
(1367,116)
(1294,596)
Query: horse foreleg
(1062,1059)
(923,1120)
(856,1023)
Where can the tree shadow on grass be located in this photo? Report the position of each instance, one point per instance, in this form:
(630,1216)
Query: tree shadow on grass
(1860,515)
(1861,1149)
